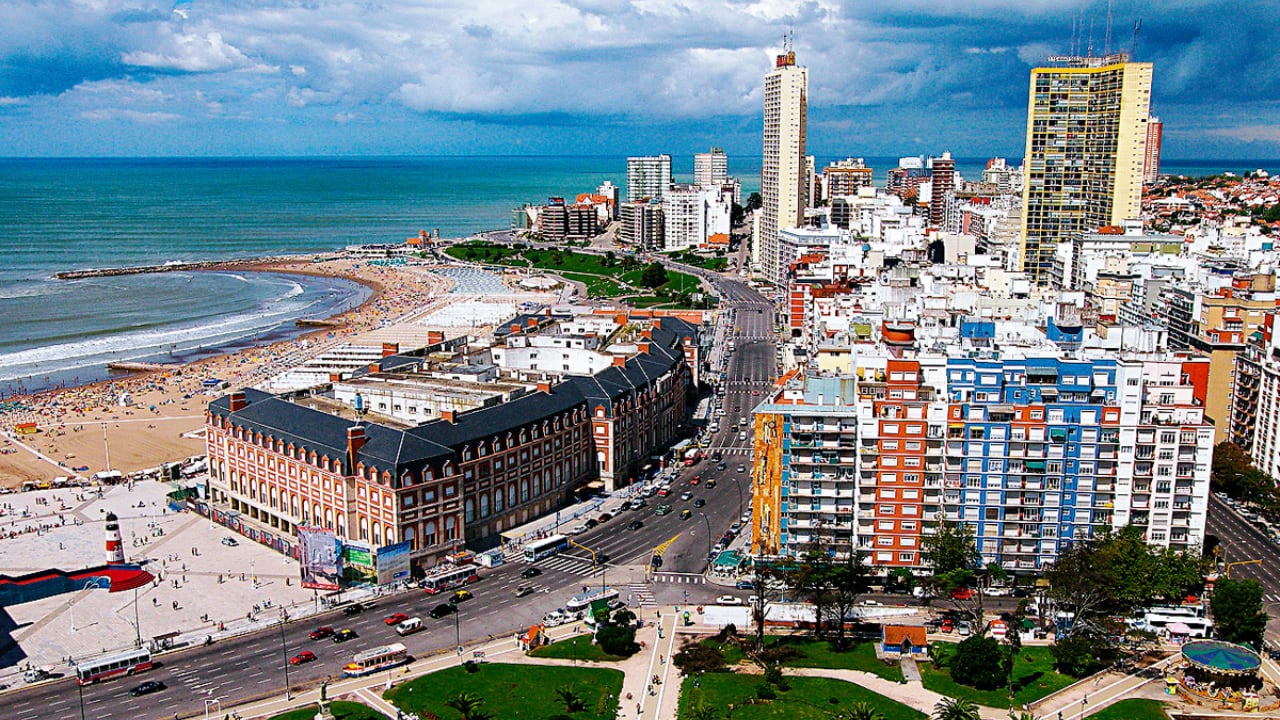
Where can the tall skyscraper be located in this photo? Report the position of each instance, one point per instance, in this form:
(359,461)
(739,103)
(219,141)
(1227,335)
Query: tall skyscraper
(1151,161)
(783,181)
(648,176)
(1086,142)
(710,168)
(943,181)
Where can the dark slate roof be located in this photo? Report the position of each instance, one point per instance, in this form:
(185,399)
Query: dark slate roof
(398,362)
(504,417)
(326,434)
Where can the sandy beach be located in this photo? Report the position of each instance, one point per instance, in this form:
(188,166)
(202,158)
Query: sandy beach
(87,427)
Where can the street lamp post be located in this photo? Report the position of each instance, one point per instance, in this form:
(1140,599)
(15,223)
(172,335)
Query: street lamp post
(457,632)
(738,484)
(284,650)
(80,692)
(207,703)
(707,522)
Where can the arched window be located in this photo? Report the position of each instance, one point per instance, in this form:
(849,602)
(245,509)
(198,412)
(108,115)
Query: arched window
(328,519)
(377,534)
(484,505)
(411,537)
(450,528)
(429,534)
(364,528)
(524,490)
(471,510)
(511,495)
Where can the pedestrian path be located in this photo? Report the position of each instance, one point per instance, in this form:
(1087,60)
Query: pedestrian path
(642,595)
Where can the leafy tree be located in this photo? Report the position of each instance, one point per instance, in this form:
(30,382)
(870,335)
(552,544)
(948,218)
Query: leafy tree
(902,579)
(737,214)
(1079,583)
(952,552)
(623,616)
(569,696)
(468,705)
(955,709)
(754,201)
(653,275)
(617,640)
(695,658)
(1081,655)
(857,711)
(978,662)
(765,591)
(1237,611)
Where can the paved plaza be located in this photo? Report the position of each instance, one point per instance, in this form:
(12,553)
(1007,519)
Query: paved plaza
(202,586)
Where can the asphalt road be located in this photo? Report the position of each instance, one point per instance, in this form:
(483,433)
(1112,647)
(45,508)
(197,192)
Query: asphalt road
(254,665)
(1240,541)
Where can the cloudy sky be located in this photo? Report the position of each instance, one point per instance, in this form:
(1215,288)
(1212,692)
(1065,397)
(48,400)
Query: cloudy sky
(342,77)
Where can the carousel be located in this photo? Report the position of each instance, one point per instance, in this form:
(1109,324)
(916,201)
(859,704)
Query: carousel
(1223,675)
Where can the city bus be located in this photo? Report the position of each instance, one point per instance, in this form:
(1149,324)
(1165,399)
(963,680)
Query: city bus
(105,667)
(375,659)
(449,577)
(546,547)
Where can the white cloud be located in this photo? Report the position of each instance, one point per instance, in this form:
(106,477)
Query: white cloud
(190,53)
(1250,133)
(137,116)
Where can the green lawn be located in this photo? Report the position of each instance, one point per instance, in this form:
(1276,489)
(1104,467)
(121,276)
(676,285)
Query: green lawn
(715,264)
(1134,709)
(485,252)
(341,709)
(513,692)
(597,285)
(585,650)
(571,261)
(808,699)
(1033,678)
(819,654)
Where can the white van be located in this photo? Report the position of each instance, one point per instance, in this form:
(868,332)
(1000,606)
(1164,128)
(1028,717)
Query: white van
(410,626)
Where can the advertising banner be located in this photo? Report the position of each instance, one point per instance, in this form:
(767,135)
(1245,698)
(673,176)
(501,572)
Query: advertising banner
(321,563)
(393,563)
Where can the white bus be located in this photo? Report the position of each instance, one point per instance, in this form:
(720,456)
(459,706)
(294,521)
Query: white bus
(449,577)
(546,547)
(1159,618)
(584,600)
(105,667)
(375,659)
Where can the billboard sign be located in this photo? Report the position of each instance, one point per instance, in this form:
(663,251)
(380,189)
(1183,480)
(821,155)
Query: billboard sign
(321,560)
(393,563)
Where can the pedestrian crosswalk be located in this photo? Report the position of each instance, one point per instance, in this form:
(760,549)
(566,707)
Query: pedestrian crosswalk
(571,564)
(685,578)
(1274,597)
(638,593)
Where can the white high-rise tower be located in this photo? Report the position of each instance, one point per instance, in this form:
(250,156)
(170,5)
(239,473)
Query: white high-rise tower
(782,172)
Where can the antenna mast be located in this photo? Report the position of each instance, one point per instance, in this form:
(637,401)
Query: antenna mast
(1106,46)
(1133,49)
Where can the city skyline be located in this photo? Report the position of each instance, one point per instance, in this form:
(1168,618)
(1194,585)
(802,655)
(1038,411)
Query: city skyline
(195,78)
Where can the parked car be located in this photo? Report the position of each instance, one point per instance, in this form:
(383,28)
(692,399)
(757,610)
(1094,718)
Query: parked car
(744,585)
(530,572)
(663,509)
(728,600)
(321,632)
(395,618)
(721,466)
(590,523)
(344,635)
(604,517)
(699,502)
(147,688)
(305,656)
(229,542)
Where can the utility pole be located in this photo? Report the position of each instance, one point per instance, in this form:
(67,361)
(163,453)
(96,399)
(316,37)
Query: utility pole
(284,650)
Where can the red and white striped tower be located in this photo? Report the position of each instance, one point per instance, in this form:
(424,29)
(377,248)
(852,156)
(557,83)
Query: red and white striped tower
(115,548)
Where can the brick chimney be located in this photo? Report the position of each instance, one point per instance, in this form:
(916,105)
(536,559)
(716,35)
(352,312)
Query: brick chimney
(644,348)
(647,334)
(532,323)
(515,328)
(236,401)
(619,361)
(447,416)
(656,322)
(355,441)
(435,337)
(544,386)
(389,349)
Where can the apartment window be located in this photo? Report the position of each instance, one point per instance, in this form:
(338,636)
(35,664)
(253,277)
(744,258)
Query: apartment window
(885,525)
(906,557)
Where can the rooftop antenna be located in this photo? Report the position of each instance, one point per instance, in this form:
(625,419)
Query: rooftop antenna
(1133,49)
(1089,48)
(1106,47)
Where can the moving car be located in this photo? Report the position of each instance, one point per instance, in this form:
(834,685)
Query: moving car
(461,596)
(635,524)
(695,479)
(353,609)
(395,618)
(147,688)
(721,466)
(742,468)
(686,514)
(305,656)
(229,542)
(699,502)
(442,610)
(412,625)
(524,590)
(530,572)
(686,496)
(321,632)
(344,635)
(663,509)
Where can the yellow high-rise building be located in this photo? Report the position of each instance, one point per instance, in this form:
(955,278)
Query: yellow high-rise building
(1086,143)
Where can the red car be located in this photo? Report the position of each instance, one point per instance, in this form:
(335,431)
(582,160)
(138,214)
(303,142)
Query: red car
(963,593)
(305,656)
(695,480)
(321,632)
(663,492)
(395,619)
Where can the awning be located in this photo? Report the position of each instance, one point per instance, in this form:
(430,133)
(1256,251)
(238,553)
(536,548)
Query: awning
(1035,464)
(1177,628)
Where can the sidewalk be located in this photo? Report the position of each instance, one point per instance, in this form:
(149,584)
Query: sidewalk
(1092,694)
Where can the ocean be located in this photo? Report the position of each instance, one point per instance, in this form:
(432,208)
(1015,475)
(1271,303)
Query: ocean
(70,214)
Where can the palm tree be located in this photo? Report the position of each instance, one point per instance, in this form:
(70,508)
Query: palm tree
(703,711)
(953,709)
(858,711)
(468,706)
(571,698)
